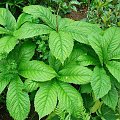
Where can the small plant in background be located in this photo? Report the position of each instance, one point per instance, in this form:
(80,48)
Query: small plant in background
(104,12)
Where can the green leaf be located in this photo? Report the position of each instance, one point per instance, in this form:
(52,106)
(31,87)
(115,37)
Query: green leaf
(107,113)
(7,19)
(114,68)
(61,45)
(76,75)
(36,70)
(112,42)
(17,101)
(23,18)
(86,60)
(43,13)
(95,41)
(80,30)
(30,85)
(111,99)
(3,83)
(85,88)
(70,99)
(7,43)
(4,31)
(26,51)
(45,99)
(72,59)
(100,82)
(29,29)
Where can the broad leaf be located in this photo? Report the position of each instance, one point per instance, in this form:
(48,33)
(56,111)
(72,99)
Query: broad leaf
(29,29)
(75,74)
(36,70)
(61,45)
(111,98)
(70,99)
(7,19)
(100,82)
(86,60)
(17,101)
(23,18)
(30,85)
(43,13)
(107,113)
(46,99)
(72,59)
(114,68)
(112,42)
(3,83)
(7,43)
(26,51)
(95,41)
(80,30)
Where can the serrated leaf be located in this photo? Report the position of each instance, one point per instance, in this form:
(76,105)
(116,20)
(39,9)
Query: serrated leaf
(95,41)
(36,70)
(61,45)
(112,41)
(111,98)
(114,68)
(100,82)
(24,17)
(29,29)
(76,75)
(70,99)
(72,59)
(3,83)
(46,99)
(80,30)
(17,101)
(22,52)
(86,60)
(7,19)
(107,113)
(30,85)
(85,88)
(43,13)
(7,43)
(26,51)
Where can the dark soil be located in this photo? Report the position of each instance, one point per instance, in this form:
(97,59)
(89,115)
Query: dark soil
(81,14)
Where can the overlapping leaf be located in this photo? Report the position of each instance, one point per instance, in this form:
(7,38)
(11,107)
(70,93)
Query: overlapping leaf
(76,74)
(111,98)
(70,99)
(36,70)
(114,68)
(43,13)
(100,82)
(29,29)
(17,101)
(7,43)
(46,99)
(61,45)
(7,19)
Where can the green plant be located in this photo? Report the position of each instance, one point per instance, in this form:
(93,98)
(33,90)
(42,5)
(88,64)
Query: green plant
(104,12)
(77,57)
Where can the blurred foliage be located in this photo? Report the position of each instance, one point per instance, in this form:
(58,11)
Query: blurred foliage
(104,12)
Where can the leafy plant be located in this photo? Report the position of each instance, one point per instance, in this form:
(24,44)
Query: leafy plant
(110,16)
(77,57)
